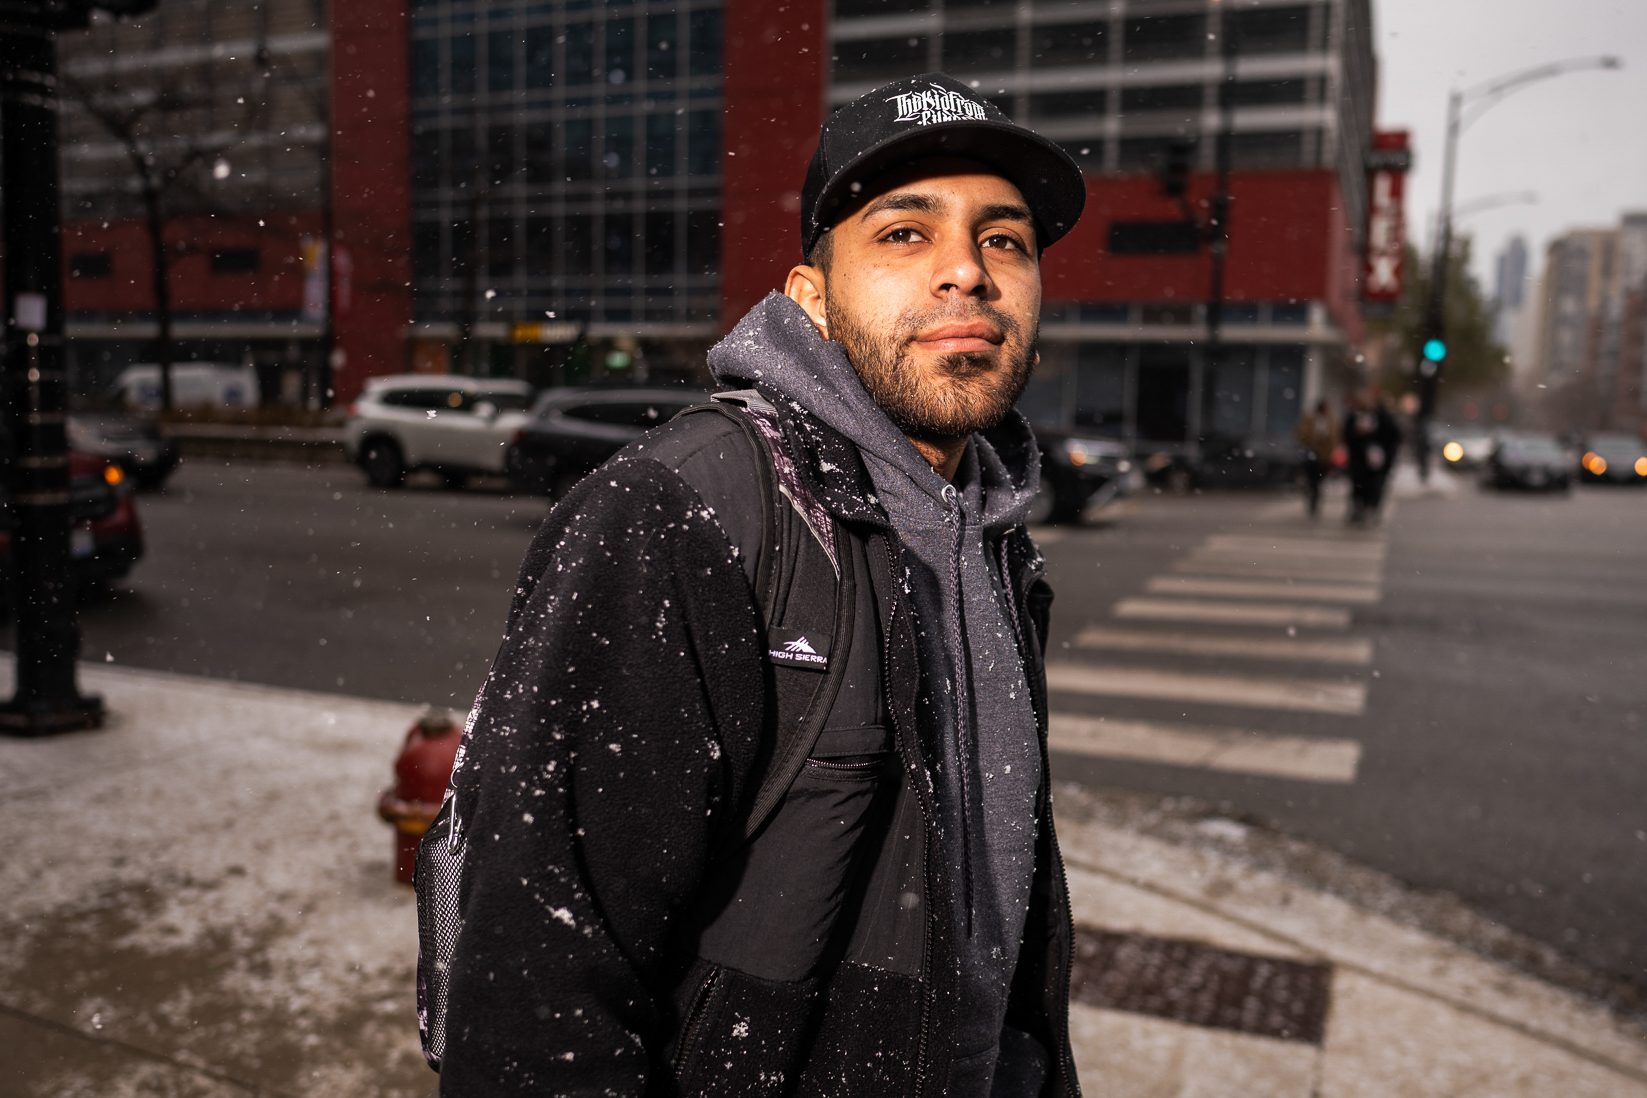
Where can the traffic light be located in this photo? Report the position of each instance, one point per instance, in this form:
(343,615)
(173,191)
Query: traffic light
(1435,350)
(1175,170)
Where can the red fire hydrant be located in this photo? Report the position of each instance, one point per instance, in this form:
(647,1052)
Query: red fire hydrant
(422,770)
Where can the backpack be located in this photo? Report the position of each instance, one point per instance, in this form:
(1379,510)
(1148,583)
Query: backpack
(796,601)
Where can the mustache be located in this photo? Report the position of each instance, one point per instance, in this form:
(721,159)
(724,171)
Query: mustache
(912,323)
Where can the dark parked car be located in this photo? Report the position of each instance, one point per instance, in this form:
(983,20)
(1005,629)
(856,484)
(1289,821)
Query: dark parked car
(570,431)
(1533,462)
(1222,462)
(105,538)
(136,445)
(1079,474)
(1614,459)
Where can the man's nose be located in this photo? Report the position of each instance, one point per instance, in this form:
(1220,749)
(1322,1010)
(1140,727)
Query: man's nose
(959,268)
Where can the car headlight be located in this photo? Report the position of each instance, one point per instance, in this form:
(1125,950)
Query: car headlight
(1453,451)
(1641,466)
(1079,453)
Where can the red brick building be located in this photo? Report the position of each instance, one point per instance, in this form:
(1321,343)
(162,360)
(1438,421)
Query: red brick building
(504,184)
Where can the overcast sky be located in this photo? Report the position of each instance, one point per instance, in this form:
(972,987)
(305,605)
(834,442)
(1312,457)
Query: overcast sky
(1579,140)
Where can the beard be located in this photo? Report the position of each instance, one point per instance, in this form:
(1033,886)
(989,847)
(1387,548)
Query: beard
(954,395)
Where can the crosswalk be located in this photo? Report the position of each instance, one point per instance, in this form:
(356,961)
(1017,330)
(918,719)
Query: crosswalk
(1241,655)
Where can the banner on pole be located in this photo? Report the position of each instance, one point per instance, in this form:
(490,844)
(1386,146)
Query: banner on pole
(1382,270)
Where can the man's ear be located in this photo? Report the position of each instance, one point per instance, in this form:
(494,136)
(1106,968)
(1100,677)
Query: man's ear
(805,287)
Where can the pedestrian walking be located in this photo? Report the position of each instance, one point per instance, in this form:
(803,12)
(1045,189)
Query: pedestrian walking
(755,797)
(1317,434)
(1371,438)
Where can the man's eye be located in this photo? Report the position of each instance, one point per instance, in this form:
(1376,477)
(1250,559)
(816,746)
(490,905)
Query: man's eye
(1004,240)
(903,236)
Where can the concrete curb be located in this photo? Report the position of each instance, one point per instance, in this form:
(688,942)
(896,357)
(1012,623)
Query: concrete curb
(1410,1013)
(303,445)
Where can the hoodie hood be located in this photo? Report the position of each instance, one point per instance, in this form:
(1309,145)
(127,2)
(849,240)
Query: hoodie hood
(777,348)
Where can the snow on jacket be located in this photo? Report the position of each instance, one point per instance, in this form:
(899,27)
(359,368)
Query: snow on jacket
(618,936)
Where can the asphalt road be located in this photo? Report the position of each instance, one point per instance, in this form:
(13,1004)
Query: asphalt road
(307,578)
(1497,720)
(1459,698)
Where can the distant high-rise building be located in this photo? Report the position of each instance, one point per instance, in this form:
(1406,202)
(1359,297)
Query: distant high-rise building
(1510,274)
(1621,356)
(1590,328)
(1570,299)
(1509,292)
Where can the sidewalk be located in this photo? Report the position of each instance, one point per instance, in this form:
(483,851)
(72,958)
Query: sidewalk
(198,902)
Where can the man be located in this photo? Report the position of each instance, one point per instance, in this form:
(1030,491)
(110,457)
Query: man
(1317,434)
(899,923)
(1371,438)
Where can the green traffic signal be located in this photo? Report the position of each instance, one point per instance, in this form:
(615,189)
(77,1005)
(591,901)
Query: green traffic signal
(1435,350)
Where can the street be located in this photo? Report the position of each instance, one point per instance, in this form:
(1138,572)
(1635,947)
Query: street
(1453,698)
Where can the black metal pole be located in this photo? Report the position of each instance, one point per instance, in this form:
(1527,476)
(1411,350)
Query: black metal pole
(1218,210)
(1427,374)
(37,464)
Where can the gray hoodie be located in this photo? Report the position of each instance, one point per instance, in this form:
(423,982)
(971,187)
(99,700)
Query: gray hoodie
(973,690)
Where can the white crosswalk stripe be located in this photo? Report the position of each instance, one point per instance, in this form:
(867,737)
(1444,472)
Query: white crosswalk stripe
(1240,751)
(1257,589)
(1225,564)
(1353,651)
(1249,691)
(1232,613)
(1298,547)
(1262,600)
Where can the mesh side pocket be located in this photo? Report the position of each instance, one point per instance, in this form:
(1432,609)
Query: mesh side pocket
(439,920)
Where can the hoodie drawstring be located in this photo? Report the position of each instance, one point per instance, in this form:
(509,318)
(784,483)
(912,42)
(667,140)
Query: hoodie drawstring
(956,517)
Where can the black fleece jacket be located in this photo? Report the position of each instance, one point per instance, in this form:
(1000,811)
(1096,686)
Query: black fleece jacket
(598,800)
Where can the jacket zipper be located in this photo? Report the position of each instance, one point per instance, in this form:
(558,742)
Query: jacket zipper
(694,1019)
(1061,1018)
(1060,1013)
(1061,890)
(855,767)
(923,1035)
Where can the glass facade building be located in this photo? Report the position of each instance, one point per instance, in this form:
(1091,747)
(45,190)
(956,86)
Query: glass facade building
(1118,84)
(566,162)
(225,105)
(512,183)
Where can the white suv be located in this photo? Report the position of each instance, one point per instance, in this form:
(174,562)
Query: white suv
(454,425)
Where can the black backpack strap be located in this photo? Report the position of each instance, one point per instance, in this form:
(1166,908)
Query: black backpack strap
(800,602)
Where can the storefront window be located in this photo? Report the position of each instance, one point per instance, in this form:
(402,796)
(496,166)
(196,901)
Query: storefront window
(1101,388)
(1283,390)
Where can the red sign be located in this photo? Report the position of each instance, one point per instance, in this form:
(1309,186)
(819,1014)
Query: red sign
(1386,217)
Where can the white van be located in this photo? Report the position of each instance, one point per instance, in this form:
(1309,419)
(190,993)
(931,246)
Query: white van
(194,385)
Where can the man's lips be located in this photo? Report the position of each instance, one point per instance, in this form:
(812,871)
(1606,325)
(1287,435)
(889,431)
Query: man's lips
(953,338)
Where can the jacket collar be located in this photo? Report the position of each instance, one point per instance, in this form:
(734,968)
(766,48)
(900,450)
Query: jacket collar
(829,461)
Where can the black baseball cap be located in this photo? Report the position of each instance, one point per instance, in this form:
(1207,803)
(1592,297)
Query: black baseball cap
(935,115)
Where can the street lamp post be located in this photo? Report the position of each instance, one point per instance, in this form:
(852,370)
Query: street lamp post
(46,697)
(34,453)
(1463,108)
